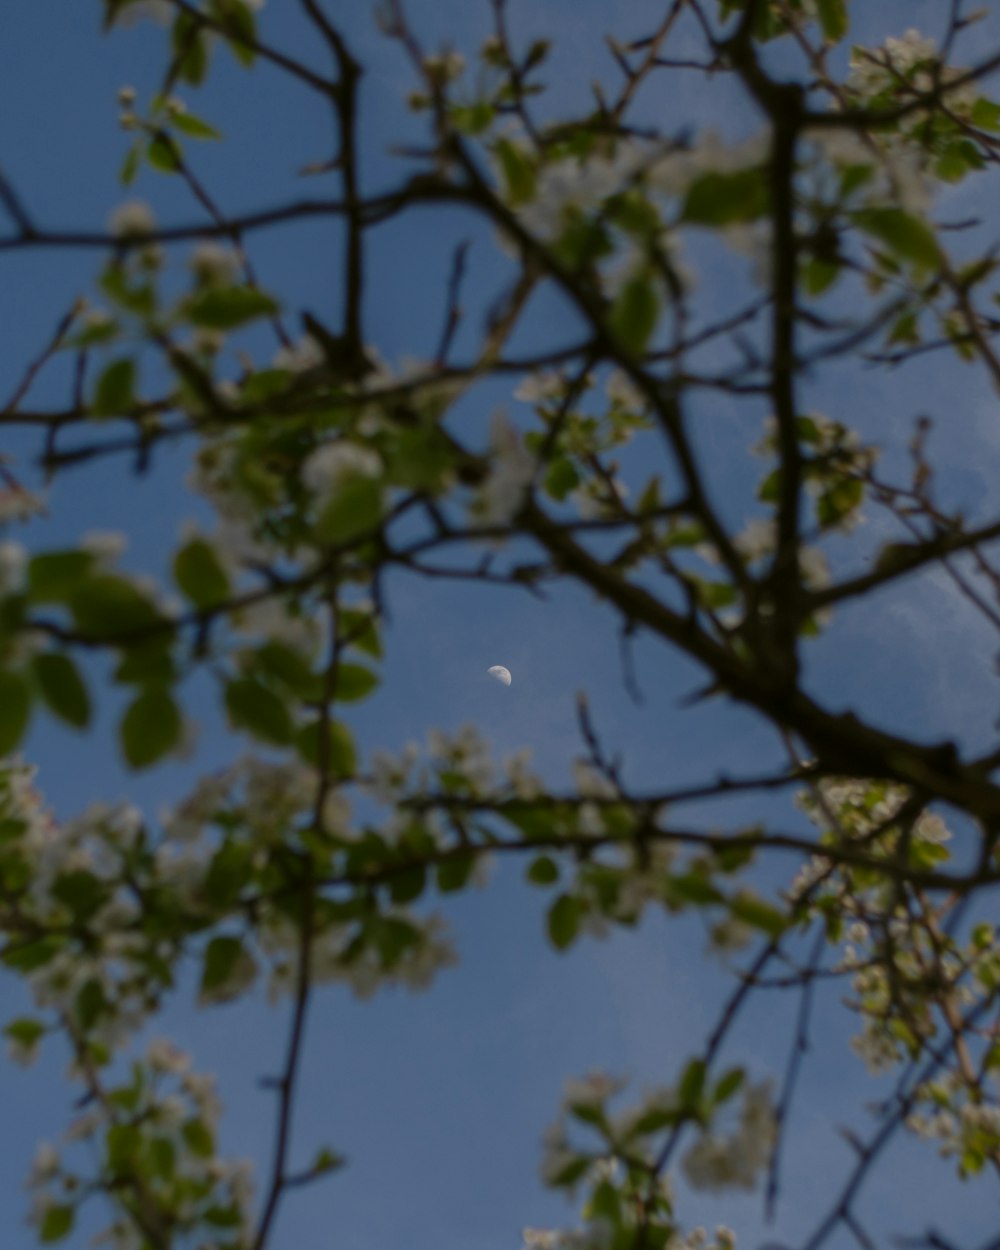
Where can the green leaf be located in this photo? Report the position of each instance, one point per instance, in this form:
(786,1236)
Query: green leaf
(650,499)
(355,508)
(819,275)
(360,630)
(199,1138)
(114,393)
(90,1003)
(52,577)
(472,119)
(281,665)
(188,124)
(518,172)
(62,688)
(191,49)
(57,1223)
(223,1217)
(130,165)
(723,199)
(839,501)
(454,873)
(230,870)
(537,53)
(258,710)
(26,958)
(957,159)
(105,330)
(582,241)
(561,477)
(108,606)
(564,921)
(833,18)
(327,1160)
(15,709)
(634,313)
(148,662)
(200,575)
(228,969)
(906,328)
(240,25)
(342,760)
(727,1085)
(80,891)
(694,887)
(716,594)
(733,858)
(123,1146)
(692,1084)
(163,154)
(769,491)
(162,1157)
(758,914)
(902,233)
(226,308)
(150,728)
(572,1172)
(986,114)
(543,871)
(129,291)
(25,1031)
(408,884)
(355,682)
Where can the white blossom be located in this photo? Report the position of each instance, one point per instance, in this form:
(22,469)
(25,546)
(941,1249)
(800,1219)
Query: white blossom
(597,1234)
(540,386)
(97,318)
(557,1154)
(813,566)
(133,219)
(13,562)
(44,1166)
(388,774)
(107,545)
(524,783)
(22,1052)
(164,1056)
(591,784)
(758,539)
(591,1091)
(623,392)
(159,11)
(307,353)
(735,1160)
(277,620)
(200,1087)
(213,263)
(210,342)
(18,504)
(511,468)
(334,463)
(444,67)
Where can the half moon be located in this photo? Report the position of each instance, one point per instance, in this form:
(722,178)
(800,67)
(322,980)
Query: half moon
(500,673)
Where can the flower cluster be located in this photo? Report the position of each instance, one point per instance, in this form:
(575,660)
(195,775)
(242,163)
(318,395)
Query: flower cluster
(736,1160)
(917,986)
(154,1136)
(511,468)
(623,1170)
(905,65)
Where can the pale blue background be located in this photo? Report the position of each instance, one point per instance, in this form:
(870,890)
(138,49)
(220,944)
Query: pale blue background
(439,1100)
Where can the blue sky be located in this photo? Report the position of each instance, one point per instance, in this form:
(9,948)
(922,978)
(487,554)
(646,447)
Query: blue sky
(439,1100)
